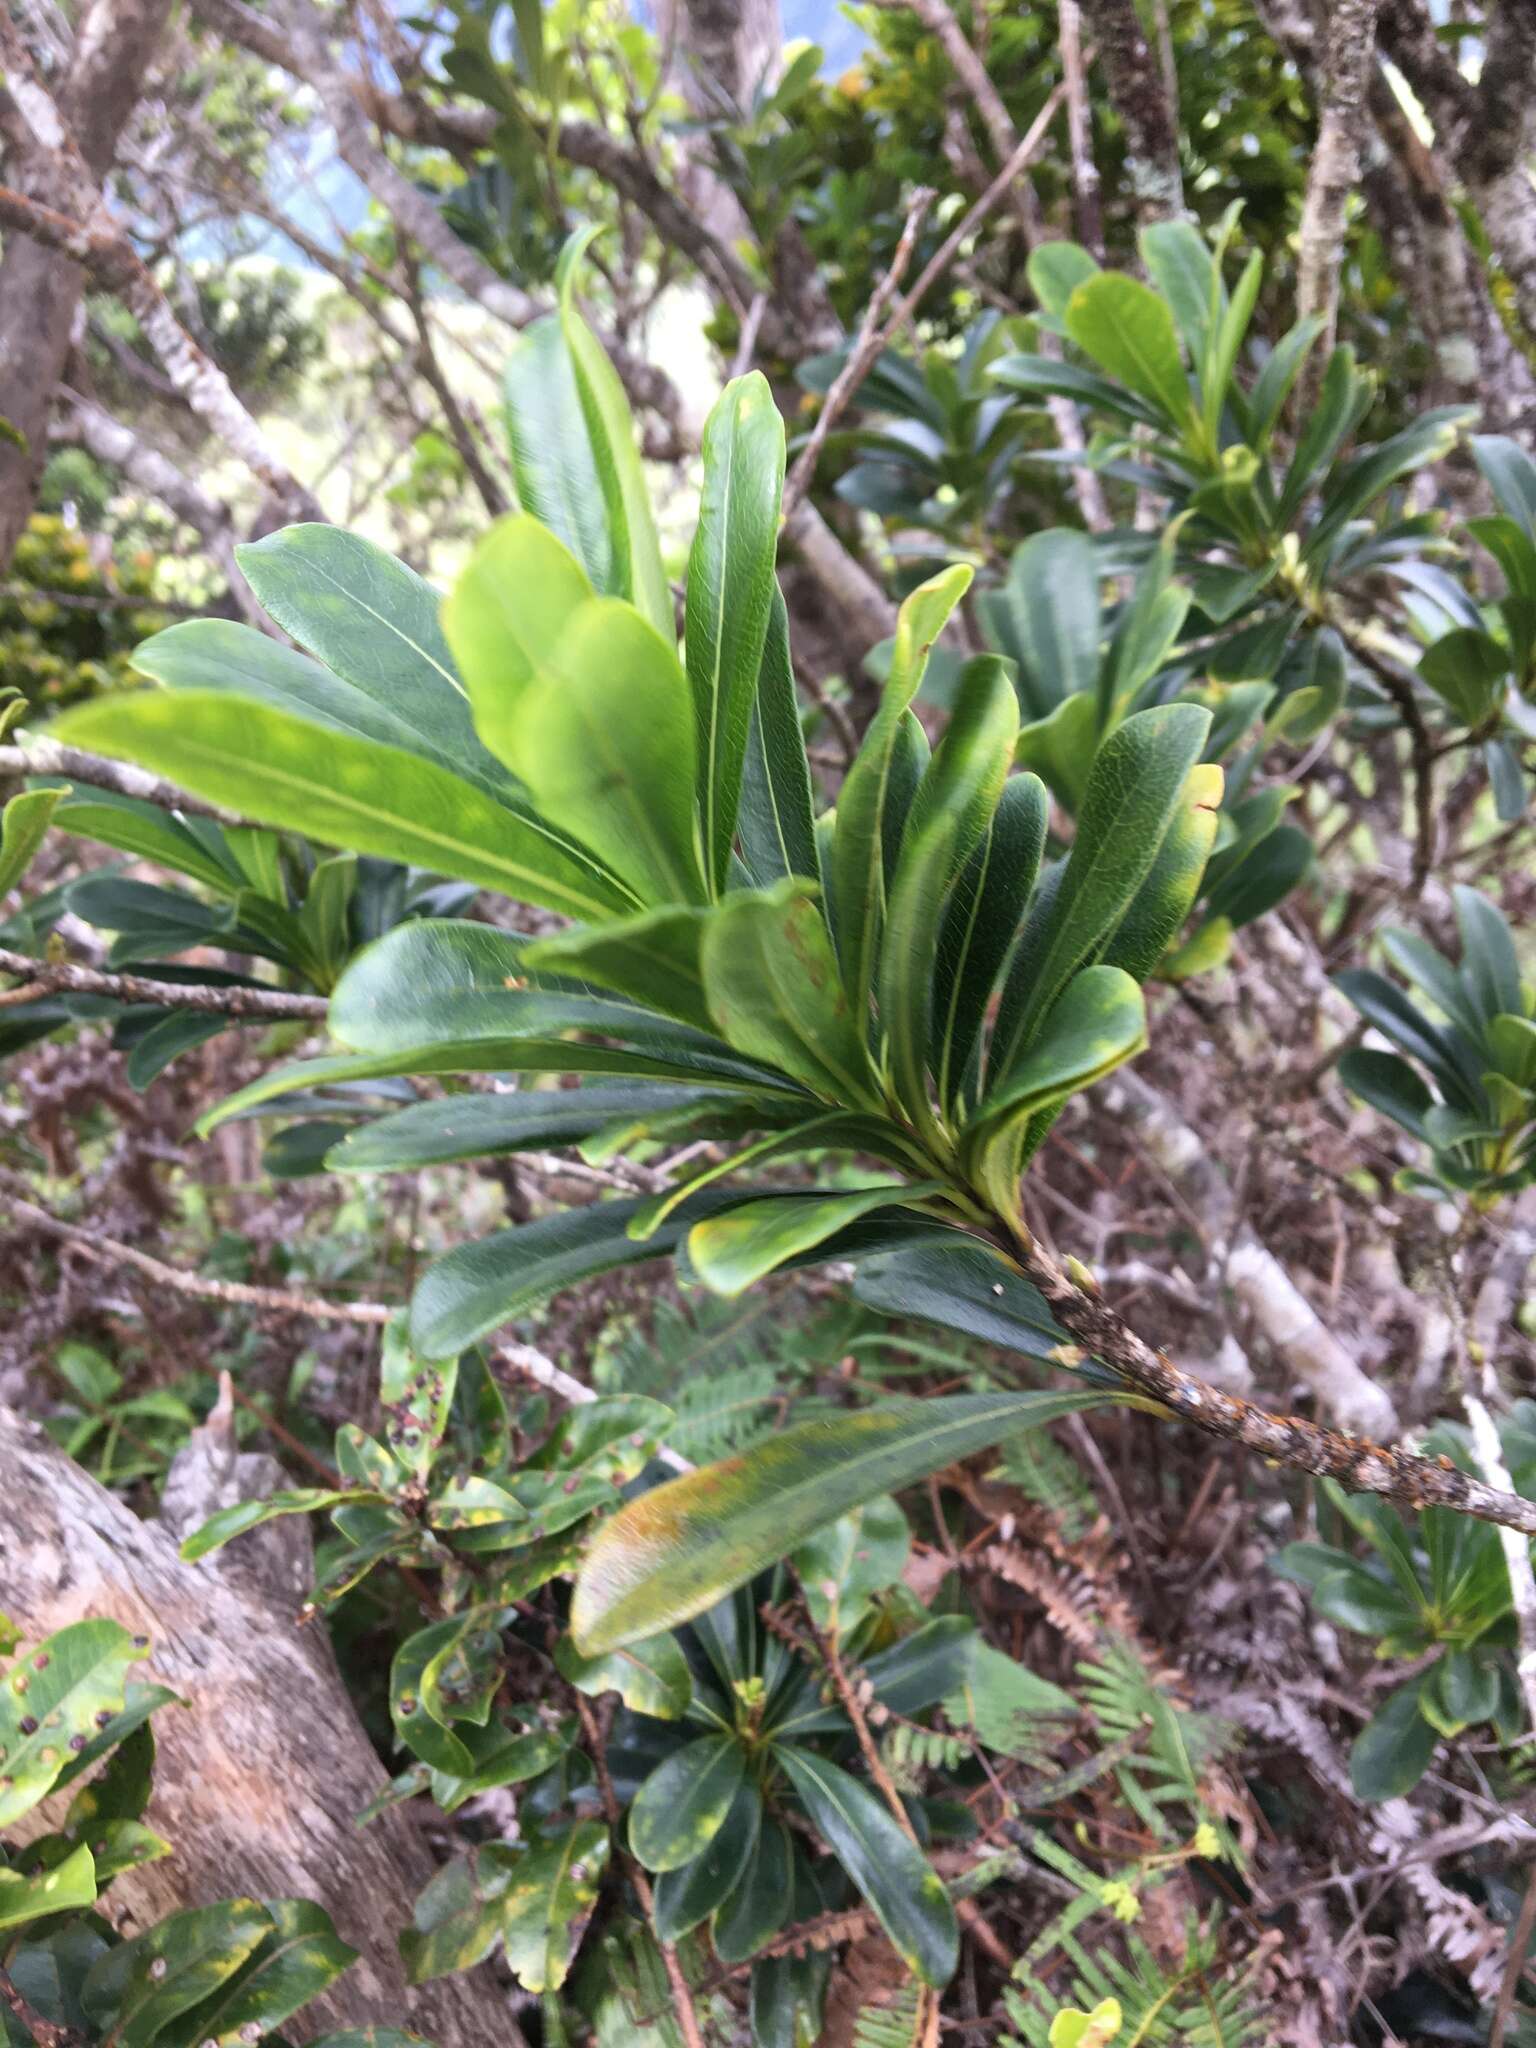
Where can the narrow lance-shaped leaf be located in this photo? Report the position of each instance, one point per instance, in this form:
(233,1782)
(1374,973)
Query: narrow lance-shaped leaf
(952,812)
(1135,790)
(23,827)
(373,622)
(778,835)
(637,570)
(986,909)
(858,879)
(906,1893)
(730,595)
(343,791)
(674,1552)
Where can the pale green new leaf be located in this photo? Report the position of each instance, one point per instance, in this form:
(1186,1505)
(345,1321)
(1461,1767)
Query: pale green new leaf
(858,844)
(280,769)
(733,1251)
(1129,332)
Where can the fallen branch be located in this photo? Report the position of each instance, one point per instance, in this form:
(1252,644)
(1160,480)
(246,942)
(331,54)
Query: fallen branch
(59,977)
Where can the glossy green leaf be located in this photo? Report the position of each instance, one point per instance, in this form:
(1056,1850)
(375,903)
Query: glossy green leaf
(373,622)
(193,847)
(457,1918)
(1099,1021)
(637,571)
(228,1523)
(893,1874)
(604,740)
(652,957)
(1167,894)
(1136,789)
(1393,1750)
(733,1251)
(778,836)
(344,791)
(1046,618)
(650,1677)
(759,1903)
(1489,961)
(730,594)
(553,463)
(1468,670)
(984,915)
(475,1288)
(1042,376)
(674,1552)
(433,984)
(1354,1598)
(56,1692)
(67,1886)
(504,619)
(138,1988)
(952,811)
(411,1701)
(683,1804)
(1055,270)
(925,1667)
(858,845)
(294,1963)
(551,1891)
(1282,366)
(1228,330)
(688,1895)
(1179,262)
(772,987)
(23,827)
(1128,331)
(473,1126)
(1510,475)
(833,1131)
(1388,1084)
(963,1286)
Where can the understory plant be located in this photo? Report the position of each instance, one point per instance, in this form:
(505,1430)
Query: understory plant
(73,1721)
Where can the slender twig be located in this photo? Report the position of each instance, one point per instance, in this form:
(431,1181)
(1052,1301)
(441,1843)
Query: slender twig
(825,1640)
(47,757)
(1399,686)
(59,977)
(862,356)
(44,2032)
(1358,1465)
(202,1286)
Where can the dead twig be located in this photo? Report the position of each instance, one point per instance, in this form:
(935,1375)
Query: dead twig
(59,977)
(863,355)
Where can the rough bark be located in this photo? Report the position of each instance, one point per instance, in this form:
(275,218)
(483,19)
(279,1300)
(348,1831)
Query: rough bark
(1140,98)
(40,287)
(259,1780)
(1335,169)
(1487,129)
(721,51)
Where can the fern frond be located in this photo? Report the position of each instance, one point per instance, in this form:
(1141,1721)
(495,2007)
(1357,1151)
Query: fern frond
(893,2025)
(1048,1475)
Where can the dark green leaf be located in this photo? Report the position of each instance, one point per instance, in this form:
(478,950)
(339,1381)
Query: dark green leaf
(683,1804)
(730,593)
(908,1897)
